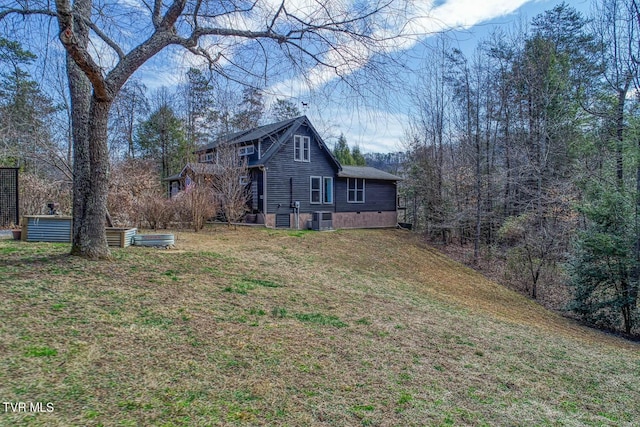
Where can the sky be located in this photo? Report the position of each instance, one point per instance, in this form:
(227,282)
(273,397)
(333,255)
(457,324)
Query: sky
(376,122)
(382,129)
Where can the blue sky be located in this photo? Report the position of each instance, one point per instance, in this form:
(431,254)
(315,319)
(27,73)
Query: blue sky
(376,121)
(381,129)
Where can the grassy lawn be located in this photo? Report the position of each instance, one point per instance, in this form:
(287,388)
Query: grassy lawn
(264,327)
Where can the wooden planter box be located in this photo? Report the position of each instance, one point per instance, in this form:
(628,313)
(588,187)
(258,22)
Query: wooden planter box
(120,237)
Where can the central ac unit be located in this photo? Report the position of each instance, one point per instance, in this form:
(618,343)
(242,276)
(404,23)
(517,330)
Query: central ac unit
(322,221)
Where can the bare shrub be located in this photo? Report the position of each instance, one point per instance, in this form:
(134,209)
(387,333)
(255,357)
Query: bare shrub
(154,209)
(37,192)
(136,194)
(196,204)
(229,183)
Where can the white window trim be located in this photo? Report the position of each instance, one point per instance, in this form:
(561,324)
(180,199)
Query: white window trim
(324,189)
(303,143)
(246,150)
(356,190)
(311,190)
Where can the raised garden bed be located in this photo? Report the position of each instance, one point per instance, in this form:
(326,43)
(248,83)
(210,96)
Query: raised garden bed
(154,240)
(56,228)
(120,237)
(46,228)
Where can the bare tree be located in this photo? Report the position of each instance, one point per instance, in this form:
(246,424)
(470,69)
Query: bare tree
(128,108)
(230,182)
(241,40)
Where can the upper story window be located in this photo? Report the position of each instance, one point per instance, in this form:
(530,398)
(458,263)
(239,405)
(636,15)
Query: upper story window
(355,190)
(301,148)
(247,150)
(206,157)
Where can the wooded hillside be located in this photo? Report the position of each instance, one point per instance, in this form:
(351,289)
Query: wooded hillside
(529,150)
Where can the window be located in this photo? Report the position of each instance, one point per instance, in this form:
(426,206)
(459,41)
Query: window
(244,180)
(328,190)
(321,190)
(316,189)
(301,148)
(175,188)
(355,190)
(247,150)
(207,157)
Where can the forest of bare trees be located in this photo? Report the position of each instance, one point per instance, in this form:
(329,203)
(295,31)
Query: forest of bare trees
(527,154)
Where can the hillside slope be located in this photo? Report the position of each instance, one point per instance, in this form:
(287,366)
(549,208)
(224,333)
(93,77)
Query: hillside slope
(264,327)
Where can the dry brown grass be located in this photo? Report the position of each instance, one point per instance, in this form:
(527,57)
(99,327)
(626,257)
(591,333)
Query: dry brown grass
(264,327)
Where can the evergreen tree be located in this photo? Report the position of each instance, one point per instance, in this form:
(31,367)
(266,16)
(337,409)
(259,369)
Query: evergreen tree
(342,152)
(198,100)
(283,110)
(604,292)
(357,156)
(25,110)
(162,138)
(251,110)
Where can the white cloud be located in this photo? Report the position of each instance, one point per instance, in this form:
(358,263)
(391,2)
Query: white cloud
(419,22)
(467,13)
(372,129)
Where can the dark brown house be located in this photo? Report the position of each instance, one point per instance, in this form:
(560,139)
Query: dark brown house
(296,180)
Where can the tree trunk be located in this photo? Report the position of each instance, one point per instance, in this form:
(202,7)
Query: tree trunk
(92,185)
(619,119)
(80,89)
(89,238)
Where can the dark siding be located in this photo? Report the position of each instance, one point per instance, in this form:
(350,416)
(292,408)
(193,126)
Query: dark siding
(283,171)
(257,193)
(378,196)
(253,158)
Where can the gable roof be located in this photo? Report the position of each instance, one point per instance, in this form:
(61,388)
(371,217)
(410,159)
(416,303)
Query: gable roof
(290,130)
(283,131)
(366,172)
(251,134)
(279,133)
